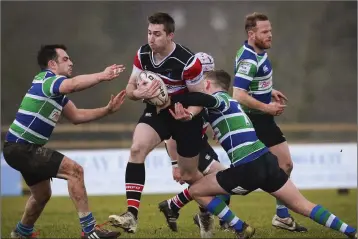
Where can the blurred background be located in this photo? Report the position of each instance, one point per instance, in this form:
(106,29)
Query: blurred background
(313,56)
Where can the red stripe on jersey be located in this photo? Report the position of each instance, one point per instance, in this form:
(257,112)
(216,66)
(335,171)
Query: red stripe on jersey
(134,187)
(133,203)
(136,61)
(193,71)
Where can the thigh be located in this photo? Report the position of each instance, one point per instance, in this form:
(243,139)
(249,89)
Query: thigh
(207,157)
(158,122)
(266,129)
(171,147)
(275,176)
(36,163)
(188,136)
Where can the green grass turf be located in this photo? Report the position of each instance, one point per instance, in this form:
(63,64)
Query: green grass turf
(60,220)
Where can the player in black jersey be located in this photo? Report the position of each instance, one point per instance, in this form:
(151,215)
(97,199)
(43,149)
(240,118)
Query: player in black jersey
(208,163)
(182,72)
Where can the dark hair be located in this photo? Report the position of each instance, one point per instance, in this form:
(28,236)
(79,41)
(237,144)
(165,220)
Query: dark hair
(220,77)
(48,53)
(165,19)
(252,19)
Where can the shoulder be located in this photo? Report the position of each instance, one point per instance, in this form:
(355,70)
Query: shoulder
(183,53)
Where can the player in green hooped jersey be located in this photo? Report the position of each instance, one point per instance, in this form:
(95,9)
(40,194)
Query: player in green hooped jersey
(24,147)
(253,166)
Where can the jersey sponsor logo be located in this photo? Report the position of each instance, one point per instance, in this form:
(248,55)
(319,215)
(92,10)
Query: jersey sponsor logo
(55,115)
(265,68)
(244,68)
(265,84)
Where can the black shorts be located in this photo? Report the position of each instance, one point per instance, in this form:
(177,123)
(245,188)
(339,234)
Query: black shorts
(188,135)
(207,156)
(263,173)
(35,162)
(266,129)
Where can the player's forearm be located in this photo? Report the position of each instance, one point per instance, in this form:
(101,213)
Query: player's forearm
(130,92)
(245,99)
(88,115)
(79,83)
(195,99)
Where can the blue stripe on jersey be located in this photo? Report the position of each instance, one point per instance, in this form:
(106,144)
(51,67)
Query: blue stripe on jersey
(241,83)
(36,89)
(56,86)
(238,139)
(35,123)
(12,138)
(252,157)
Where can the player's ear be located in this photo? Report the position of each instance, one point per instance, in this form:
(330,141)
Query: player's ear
(171,35)
(207,84)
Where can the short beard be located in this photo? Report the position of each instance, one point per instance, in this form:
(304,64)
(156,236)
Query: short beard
(261,45)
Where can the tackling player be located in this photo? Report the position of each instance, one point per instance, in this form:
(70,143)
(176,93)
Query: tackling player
(253,166)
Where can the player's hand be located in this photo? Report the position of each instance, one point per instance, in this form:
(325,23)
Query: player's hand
(279,97)
(147,90)
(274,108)
(181,113)
(116,101)
(177,175)
(111,72)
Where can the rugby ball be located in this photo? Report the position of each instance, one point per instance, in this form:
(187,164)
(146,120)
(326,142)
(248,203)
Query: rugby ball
(149,76)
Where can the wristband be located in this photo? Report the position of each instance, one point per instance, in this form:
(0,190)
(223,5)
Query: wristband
(191,115)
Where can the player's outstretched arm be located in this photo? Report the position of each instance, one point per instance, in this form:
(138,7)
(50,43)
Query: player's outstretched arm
(79,116)
(82,82)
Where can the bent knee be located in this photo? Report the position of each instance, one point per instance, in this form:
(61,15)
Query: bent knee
(138,152)
(77,171)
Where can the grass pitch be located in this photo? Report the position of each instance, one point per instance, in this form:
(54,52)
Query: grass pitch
(60,220)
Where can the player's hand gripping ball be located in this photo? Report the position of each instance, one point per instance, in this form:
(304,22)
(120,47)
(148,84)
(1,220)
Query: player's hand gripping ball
(149,76)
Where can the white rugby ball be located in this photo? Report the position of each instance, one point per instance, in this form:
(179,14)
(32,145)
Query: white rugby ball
(149,76)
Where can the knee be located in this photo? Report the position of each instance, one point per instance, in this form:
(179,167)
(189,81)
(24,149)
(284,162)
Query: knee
(138,153)
(77,172)
(193,192)
(190,176)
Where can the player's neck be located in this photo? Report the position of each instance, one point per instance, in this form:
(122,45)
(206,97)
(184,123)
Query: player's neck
(256,49)
(159,56)
(215,90)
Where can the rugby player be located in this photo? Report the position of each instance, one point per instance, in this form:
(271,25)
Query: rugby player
(253,166)
(182,72)
(24,147)
(208,163)
(253,88)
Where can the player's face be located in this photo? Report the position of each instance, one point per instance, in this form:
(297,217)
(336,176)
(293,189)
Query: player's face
(158,39)
(263,34)
(63,64)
